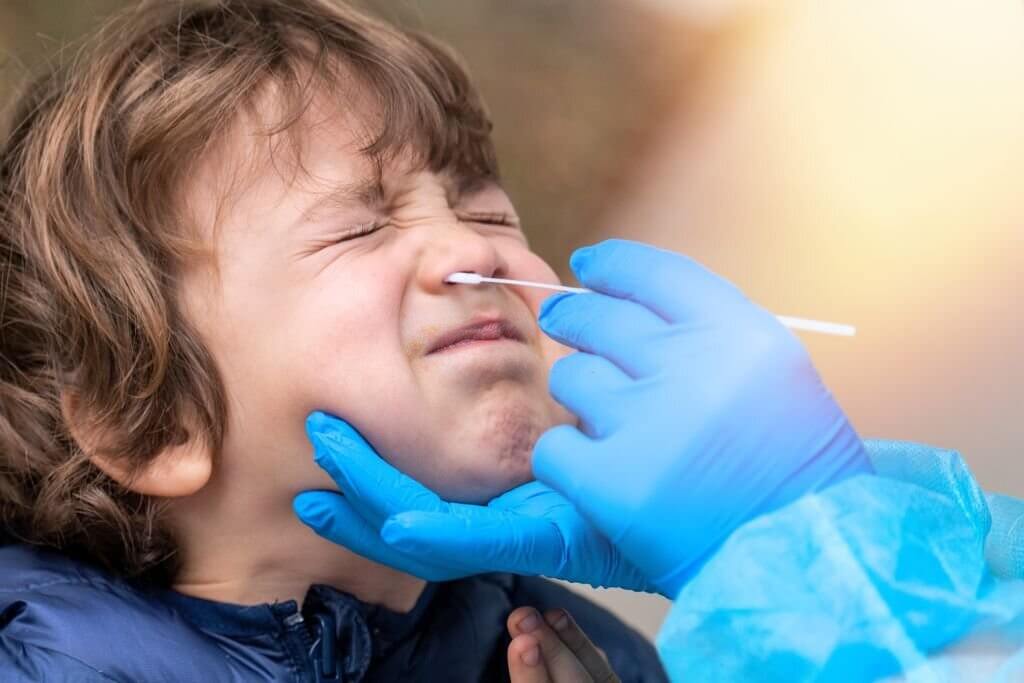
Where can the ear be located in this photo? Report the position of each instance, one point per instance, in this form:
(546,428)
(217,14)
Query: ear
(179,470)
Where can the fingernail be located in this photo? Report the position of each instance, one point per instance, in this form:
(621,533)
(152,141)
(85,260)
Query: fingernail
(531,657)
(315,438)
(579,259)
(529,622)
(315,421)
(320,450)
(392,531)
(336,439)
(307,509)
(550,303)
(561,622)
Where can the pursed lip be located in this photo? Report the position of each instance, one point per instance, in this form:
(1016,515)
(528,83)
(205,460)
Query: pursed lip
(482,329)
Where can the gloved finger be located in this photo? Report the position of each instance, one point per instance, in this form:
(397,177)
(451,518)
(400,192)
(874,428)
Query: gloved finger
(562,664)
(498,541)
(585,384)
(521,497)
(524,661)
(589,655)
(624,332)
(674,286)
(535,499)
(330,515)
(559,455)
(585,472)
(371,485)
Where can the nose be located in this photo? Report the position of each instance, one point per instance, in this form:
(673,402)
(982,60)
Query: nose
(456,247)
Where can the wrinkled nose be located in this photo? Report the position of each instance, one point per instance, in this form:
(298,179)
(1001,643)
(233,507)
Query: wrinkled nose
(453,248)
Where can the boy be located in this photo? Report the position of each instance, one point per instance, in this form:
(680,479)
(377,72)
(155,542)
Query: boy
(224,216)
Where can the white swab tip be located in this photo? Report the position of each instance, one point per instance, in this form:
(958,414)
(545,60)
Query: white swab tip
(464,278)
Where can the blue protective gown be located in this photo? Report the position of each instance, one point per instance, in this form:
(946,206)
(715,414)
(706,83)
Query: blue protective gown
(913,573)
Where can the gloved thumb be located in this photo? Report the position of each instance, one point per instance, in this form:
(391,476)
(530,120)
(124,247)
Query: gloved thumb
(561,458)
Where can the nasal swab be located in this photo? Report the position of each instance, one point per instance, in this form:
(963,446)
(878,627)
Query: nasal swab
(838,329)
(476,279)
(805,324)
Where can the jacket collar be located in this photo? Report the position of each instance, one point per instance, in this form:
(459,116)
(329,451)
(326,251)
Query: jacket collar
(234,620)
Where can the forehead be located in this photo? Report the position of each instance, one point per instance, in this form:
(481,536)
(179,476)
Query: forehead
(271,152)
(322,148)
(317,146)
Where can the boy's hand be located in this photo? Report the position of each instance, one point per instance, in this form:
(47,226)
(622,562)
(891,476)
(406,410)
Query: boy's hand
(390,518)
(553,649)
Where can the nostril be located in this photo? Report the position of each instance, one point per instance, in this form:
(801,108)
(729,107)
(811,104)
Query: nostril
(464,279)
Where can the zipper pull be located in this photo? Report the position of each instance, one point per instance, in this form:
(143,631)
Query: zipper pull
(327,665)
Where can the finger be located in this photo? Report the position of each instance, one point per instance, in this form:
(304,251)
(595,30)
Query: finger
(563,666)
(532,499)
(588,654)
(524,661)
(584,383)
(559,455)
(605,326)
(330,515)
(375,488)
(672,285)
(492,540)
(584,471)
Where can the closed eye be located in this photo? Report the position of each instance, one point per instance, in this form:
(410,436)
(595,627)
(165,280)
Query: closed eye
(361,231)
(497,218)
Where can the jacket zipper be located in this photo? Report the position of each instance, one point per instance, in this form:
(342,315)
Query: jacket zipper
(321,643)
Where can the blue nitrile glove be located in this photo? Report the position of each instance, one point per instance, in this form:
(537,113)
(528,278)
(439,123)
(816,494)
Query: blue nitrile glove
(699,410)
(529,530)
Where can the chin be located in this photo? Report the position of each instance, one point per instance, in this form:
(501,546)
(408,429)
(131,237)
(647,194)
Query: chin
(497,454)
(483,485)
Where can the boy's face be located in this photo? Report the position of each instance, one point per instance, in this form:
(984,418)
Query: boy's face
(301,319)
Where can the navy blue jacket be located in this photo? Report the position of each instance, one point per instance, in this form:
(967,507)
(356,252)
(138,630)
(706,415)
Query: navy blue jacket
(61,620)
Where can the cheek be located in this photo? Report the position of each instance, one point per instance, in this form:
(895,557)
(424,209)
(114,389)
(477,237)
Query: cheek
(526,265)
(345,342)
(355,369)
(523,264)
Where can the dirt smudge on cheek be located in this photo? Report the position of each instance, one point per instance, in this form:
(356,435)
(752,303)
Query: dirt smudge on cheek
(418,346)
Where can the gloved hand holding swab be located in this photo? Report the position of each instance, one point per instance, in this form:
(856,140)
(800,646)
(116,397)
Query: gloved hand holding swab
(790,322)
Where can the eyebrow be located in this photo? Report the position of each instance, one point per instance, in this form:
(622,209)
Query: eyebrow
(366,191)
(369,190)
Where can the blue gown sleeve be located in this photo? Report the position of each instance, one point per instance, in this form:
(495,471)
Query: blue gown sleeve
(910,572)
(1004,547)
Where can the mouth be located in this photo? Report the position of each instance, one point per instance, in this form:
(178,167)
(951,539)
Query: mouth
(480,331)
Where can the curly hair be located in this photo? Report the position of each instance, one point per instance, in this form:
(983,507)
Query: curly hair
(94,229)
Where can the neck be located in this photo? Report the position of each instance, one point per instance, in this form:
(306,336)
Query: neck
(254,553)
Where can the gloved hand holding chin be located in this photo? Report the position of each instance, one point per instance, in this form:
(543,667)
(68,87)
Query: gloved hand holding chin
(698,411)
(390,518)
